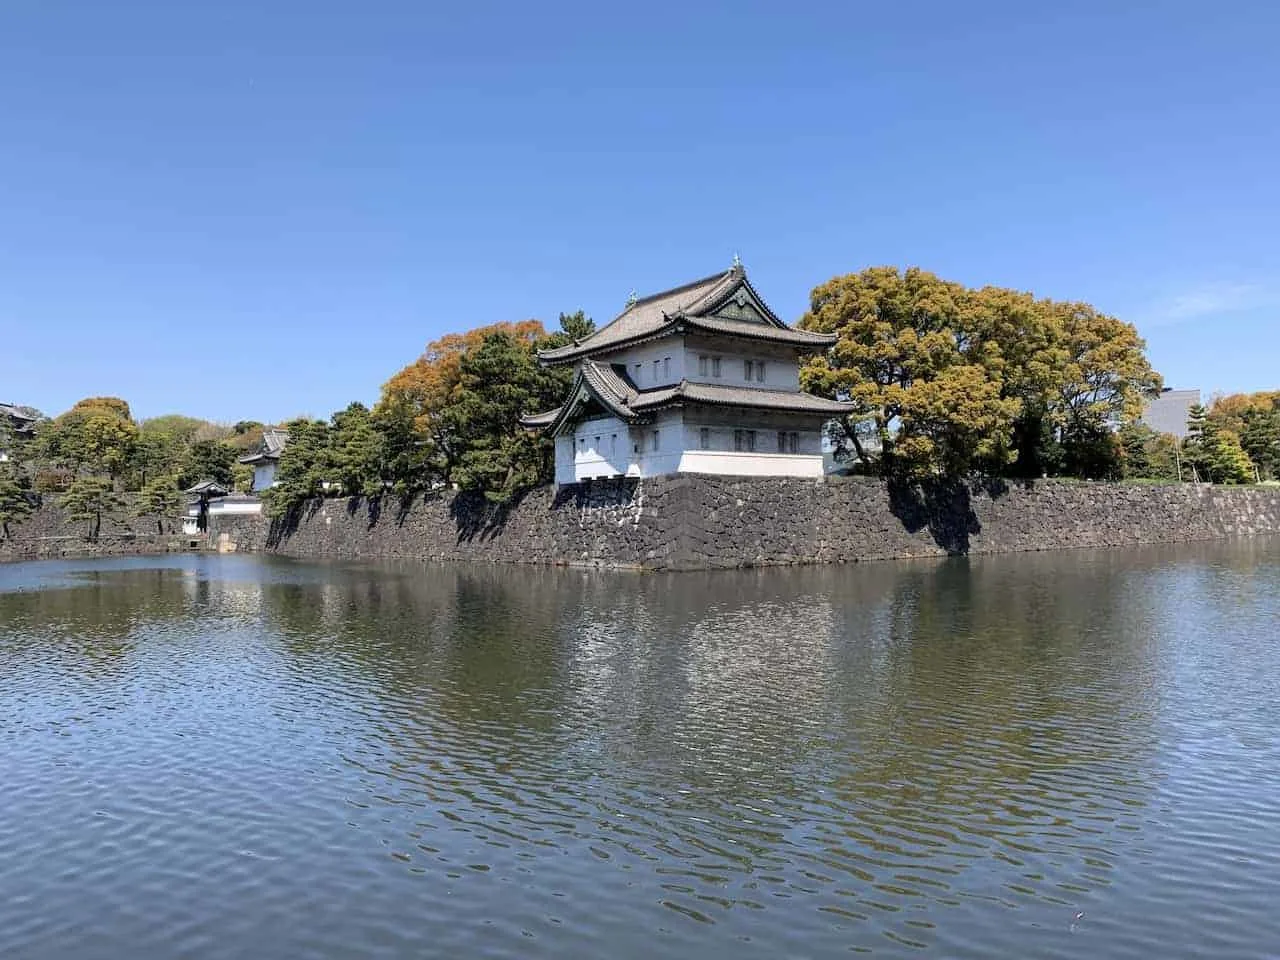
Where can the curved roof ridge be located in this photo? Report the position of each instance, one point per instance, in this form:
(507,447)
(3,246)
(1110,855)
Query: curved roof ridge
(694,303)
(662,294)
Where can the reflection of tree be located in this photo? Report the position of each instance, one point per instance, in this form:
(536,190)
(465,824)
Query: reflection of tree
(86,621)
(468,643)
(884,733)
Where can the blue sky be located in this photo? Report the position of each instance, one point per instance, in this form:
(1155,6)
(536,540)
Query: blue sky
(248,210)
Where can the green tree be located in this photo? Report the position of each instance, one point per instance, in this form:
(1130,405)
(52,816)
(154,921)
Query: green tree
(497,382)
(207,460)
(1197,446)
(155,454)
(1103,385)
(908,356)
(1215,454)
(573,327)
(304,467)
(356,452)
(1148,455)
(179,427)
(15,499)
(87,499)
(159,498)
(246,435)
(406,462)
(440,421)
(1231,464)
(242,477)
(1260,439)
(97,435)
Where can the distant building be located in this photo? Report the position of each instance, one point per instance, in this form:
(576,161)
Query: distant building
(265,460)
(20,422)
(702,378)
(208,498)
(1168,413)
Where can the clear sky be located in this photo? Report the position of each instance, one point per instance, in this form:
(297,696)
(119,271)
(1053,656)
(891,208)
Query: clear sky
(256,210)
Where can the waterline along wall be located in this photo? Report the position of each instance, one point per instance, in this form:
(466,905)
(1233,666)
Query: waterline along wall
(49,533)
(703,522)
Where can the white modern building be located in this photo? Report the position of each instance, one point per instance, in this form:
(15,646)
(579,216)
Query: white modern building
(1170,411)
(703,378)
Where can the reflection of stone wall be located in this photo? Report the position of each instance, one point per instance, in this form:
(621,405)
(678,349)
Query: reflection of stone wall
(708,522)
(49,533)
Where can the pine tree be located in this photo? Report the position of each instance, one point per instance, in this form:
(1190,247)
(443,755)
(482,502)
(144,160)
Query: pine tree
(159,498)
(304,469)
(1196,448)
(88,498)
(15,501)
(356,452)
(1261,441)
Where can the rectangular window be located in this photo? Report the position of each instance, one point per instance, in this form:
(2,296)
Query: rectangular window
(715,366)
(793,443)
(704,439)
(655,371)
(738,440)
(702,365)
(596,448)
(656,440)
(666,368)
(582,444)
(759,371)
(751,441)
(782,441)
(613,443)
(746,369)
(637,375)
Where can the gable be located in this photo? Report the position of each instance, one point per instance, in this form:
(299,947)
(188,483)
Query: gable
(742,304)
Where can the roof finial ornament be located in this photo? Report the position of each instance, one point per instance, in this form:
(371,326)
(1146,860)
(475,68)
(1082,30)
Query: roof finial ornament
(737,261)
(632,298)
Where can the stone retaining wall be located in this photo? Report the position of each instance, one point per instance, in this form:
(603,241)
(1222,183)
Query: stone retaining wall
(704,522)
(48,534)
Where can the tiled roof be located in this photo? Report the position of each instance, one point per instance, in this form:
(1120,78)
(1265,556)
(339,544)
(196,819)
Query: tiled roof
(211,487)
(274,440)
(618,395)
(723,395)
(18,412)
(612,389)
(689,304)
(760,331)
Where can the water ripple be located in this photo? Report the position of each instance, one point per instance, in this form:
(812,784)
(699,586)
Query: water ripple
(1049,756)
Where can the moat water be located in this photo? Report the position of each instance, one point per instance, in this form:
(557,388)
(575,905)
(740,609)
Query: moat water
(1056,755)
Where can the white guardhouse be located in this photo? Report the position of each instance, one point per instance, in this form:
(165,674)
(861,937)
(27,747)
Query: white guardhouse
(266,458)
(703,378)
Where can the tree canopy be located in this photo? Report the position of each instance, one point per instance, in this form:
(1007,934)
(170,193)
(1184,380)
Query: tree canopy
(948,379)
(15,499)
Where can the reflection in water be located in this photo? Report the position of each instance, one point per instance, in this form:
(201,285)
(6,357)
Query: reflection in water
(225,755)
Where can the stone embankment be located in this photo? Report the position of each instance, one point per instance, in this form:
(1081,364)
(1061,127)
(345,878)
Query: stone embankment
(702,522)
(48,533)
